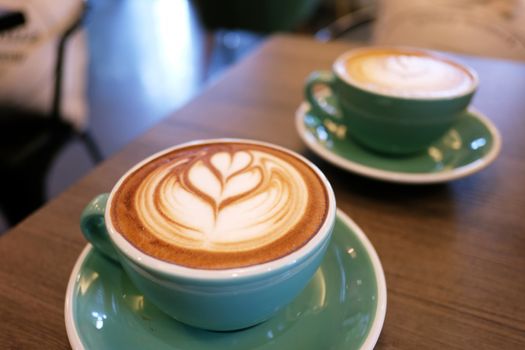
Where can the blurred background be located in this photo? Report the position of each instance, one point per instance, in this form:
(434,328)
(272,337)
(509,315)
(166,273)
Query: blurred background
(81,79)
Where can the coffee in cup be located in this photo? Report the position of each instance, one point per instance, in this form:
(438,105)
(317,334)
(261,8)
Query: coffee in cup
(219,234)
(220,205)
(395,100)
(408,74)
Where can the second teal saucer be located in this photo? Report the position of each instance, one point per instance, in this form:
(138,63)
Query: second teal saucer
(469,146)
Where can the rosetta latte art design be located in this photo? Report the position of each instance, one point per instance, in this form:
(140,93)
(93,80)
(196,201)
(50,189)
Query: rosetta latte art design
(220,205)
(222,201)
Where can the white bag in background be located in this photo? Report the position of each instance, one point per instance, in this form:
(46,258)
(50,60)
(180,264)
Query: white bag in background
(494,28)
(28,57)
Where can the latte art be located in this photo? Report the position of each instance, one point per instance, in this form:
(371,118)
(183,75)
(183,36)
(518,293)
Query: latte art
(407,74)
(220,205)
(222,201)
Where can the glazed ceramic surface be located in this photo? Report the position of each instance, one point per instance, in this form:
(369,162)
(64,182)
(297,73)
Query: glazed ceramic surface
(343,307)
(220,299)
(385,122)
(470,145)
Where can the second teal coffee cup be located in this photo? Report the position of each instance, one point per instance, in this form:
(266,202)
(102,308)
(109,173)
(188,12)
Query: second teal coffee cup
(393,100)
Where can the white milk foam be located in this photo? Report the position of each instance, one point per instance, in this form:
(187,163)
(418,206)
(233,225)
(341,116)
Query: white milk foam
(235,202)
(407,75)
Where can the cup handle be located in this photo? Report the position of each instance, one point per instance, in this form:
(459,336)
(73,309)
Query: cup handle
(93,226)
(322,109)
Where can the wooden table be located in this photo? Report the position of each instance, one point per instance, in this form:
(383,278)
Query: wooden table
(453,254)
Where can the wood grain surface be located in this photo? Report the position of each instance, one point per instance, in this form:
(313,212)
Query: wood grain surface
(453,254)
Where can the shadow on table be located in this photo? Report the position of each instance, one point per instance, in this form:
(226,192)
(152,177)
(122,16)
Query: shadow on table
(424,200)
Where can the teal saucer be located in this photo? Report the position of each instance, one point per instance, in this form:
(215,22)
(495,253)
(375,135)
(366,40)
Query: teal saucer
(469,146)
(343,307)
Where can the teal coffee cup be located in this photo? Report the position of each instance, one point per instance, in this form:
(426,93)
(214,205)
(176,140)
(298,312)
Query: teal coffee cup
(393,100)
(241,274)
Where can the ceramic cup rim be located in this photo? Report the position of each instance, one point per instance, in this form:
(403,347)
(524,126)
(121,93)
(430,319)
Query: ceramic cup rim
(338,67)
(142,259)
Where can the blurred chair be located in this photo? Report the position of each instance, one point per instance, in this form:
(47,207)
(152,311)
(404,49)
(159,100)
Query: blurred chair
(348,24)
(263,16)
(493,28)
(235,26)
(30,141)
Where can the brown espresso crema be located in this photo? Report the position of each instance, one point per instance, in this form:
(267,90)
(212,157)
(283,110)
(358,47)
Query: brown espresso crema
(406,73)
(220,205)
